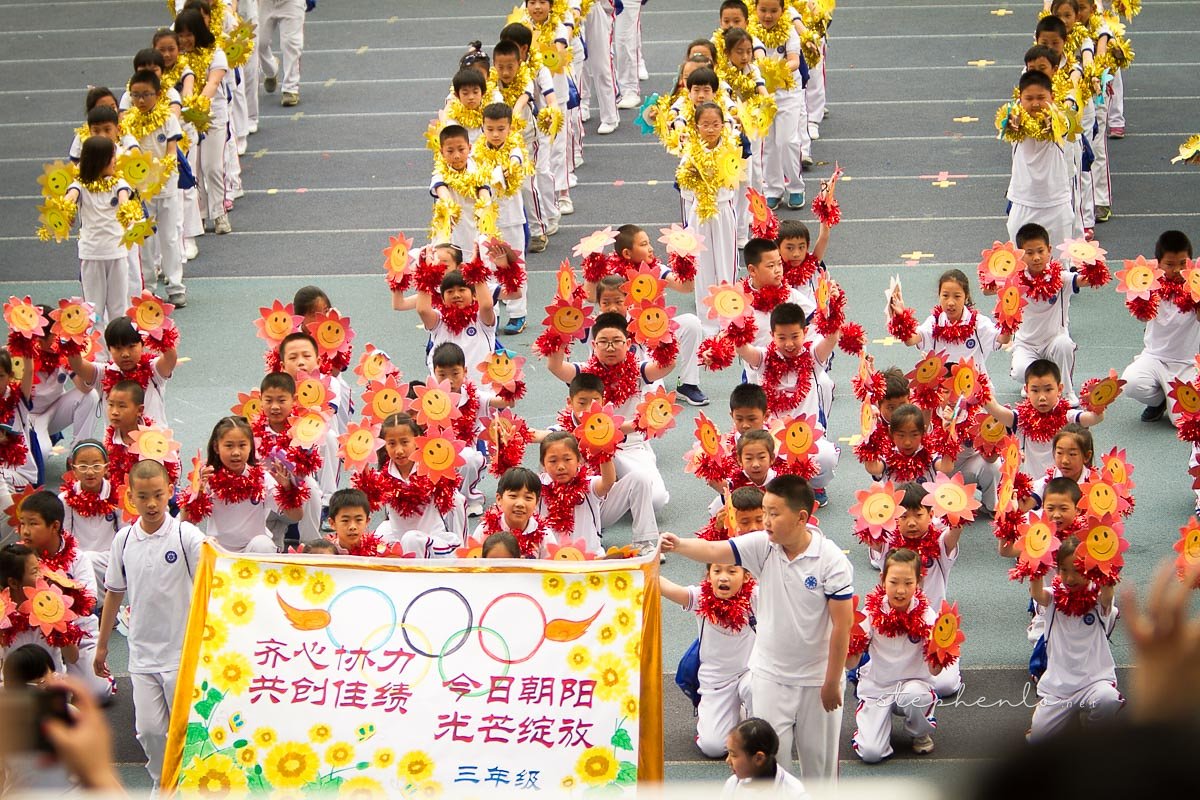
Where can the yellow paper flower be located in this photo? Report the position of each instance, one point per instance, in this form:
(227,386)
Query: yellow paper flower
(339,754)
(553,584)
(56,177)
(384,758)
(360,786)
(446,214)
(214,634)
(233,672)
(576,593)
(213,776)
(244,573)
(295,574)
(319,587)
(238,609)
(620,585)
(579,658)
(416,766)
(629,706)
(609,674)
(56,216)
(320,733)
(1189,151)
(597,766)
(291,765)
(550,121)
(265,737)
(626,619)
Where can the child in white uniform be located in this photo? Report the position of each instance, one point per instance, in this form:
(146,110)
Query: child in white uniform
(896,679)
(726,606)
(1040,188)
(18,467)
(154,561)
(129,360)
(91,506)
(208,155)
(501,156)
(805,585)
(752,748)
(455,179)
(286,16)
(103,265)
(1080,677)
(572,503)
(465,317)
(788,139)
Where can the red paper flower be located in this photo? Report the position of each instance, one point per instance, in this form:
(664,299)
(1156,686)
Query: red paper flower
(798,437)
(248,405)
(599,432)
(397,261)
(24,318)
(1102,549)
(656,412)
(435,406)
(945,637)
(1139,279)
(1098,393)
(643,285)
(1188,548)
(437,456)
(999,263)
(726,301)
(1116,466)
(374,365)
(47,607)
(1038,546)
(73,320)
(313,390)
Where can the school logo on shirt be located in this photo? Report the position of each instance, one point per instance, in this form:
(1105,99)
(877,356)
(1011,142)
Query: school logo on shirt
(471,331)
(1089,618)
(915,639)
(114,202)
(810,582)
(970,344)
(172,556)
(162,137)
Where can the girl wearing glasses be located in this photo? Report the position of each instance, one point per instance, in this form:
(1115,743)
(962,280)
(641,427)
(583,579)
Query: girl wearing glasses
(91,502)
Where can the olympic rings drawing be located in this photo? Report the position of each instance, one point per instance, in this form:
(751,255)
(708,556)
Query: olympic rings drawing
(470,621)
(542,631)
(390,625)
(465,633)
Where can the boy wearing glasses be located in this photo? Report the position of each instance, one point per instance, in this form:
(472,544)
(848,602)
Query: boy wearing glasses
(626,378)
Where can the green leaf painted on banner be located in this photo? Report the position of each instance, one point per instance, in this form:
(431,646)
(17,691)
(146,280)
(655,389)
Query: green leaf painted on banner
(240,743)
(255,781)
(627,775)
(620,740)
(362,765)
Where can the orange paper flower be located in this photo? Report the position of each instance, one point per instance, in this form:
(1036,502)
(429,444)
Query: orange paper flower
(276,322)
(951,498)
(359,444)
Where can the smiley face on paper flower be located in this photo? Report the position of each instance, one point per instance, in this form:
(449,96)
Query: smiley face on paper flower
(707,436)
(568,320)
(685,241)
(135,166)
(1188,545)
(47,607)
(56,178)
(359,443)
(1037,540)
(147,312)
(798,436)
(643,286)
(658,411)
(277,322)
(930,369)
(1100,498)
(991,430)
(964,379)
(138,232)
(565,280)
(598,429)
(1108,389)
(72,318)
(1081,251)
(1139,278)
(1010,301)
(725,301)
(24,317)
(383,399)
(945,634)
(154,444)
(437,457)
(1187,400)
(56,219)
(502,370)
(373,366)
(1102,546)
(652,324)
(249,405)
(878,508)
(311,391)
(1000,262)
(435,405)
(1116,467)
(308,429)
(758,205)
(331,330)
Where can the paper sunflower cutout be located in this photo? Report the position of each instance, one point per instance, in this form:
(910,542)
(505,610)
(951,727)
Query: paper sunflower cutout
(1189,151)
(1081,252)
(644,285)
(55,218)
(963,380)
(374,365)
(707,436)
(358,446)
(277,322)
(47,607)
(569,550)
(946,636)
(383,398)
(798,437)
(1139,278)
(24,318)
(195,476)
(437,456)
(435,406)
(657,412)
(930,370)
(1098,394)
(1037,545)
(726,301)
(150,314)
(154,443)
(145,173)
(248,405)
(308,428)
(138,232)
(1116,466)
(1188,548)
(650,323)
(999,263)
(594,242)
(565,282)
(1191,277)
(1102,548)
(877,510)
(568,318)
(73,319)
(56,178)
(1101,497)
(472,548)
(502,371)
(1187,399)
(951,498)
(13,512)
(1010,307)
(332,332)
(681,241)
(599,431)
(396,257)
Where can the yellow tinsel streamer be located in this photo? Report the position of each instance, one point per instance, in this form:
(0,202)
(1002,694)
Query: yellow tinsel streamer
(810,48)
(130,212)
(139,125)
(469,118)
(488,159)
(704,172)
(1127,8)
(741,85)
(550,121)
(56,216)
(512,93)
(776,73)
(1016,125)
(465,183)
(446,214)
(197,109)
(756,115)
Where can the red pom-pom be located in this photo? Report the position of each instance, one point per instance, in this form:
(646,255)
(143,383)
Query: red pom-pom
(1005,526)
(550,341)
(665,353)
(852,338)
(711,532)
(511,277)
(428,277)
(371,483)
(741,332)
(1095,273)
(168,340)
(715,353)
(875,447)
(1188,428)
(903,326)
(21,346)
(831,320)
(197,507)
(511,396)
(804,468)
(595,267)
(292,495)
(1145,310)
(1022,486)
(512,453)
(474,272)
(873,389)
(684,267)
(826,210)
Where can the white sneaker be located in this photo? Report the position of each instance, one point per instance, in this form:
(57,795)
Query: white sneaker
(585,113)
(607,128)
(629,101)
(922,744)
(643,75)
(565,206)
(221,225)
(552,228)
(253,127)
(814,131)
(190,250)
(572,181)
(806,161)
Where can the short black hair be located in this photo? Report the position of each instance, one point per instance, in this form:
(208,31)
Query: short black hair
(132,388)
(704,76)
(348,498)
(101,115)
(914,495)
(46,505)
(1059,485)
(447,355)
(454,131)
(506,47)
(738,4)
(467,77)
(796,492)
(626,236)
(788,314)
(453,279)
(121,333)
(613,320)
(748,395)
(96,153)
(908,413)
(585,382)
(495,111)
(278,380)
(503,539)
(1034,78)
(1172,242)
(1050,24)
(95,95)
(792,229)
(148,57)
(516,479)
(27,664)
(1043,368)
(757,248)
(306,297)
(746,498)
(192,21)
(1031,231)
(298,336)
(895,383)
(147,77)
(1041,51)
(517,32)
(762,437)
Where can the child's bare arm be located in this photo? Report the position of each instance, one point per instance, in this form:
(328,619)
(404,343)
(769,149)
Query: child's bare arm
(608,476)
(699,549)
(673,591)
(559,367)
(1037,590)
(753,356)
(1004,415)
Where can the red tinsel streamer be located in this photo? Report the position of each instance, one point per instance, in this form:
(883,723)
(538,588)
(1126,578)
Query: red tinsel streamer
(732,613)
(852,338)
(805,468)
(890,622)
(550,341)
(1041,427)
(169,340)
(88,504)
(1176,291)
(683,266)
(827,210)
(197,506)
(742,331)
(474,272)
(711,532)
(901,468)
(928,547)
(832,319)
(1041,287)
(511,277)
(271,360)
(1144,310)
(665,353)
(22,346)
(1004,527)
(458,318)
(775,367)
(766,298)
(408,498)
(953,332)
(1074,602)
(428,277)
(1095,273)
(876,446)
(511,396)
(335,363)
(530,542)
(903,326)
(142,373)
(621,381)
(292,495)
(715,353)
(798,273)
(61,561)
(1022,486)
(595,267)
(925,396)
(940,442)
(707,468)
(305,461)
(873,389)
(561,500)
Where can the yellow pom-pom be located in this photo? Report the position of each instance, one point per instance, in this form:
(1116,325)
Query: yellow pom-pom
(197,109)
(776,73)
(56,218)
(446,214)
(130,212)
(756,115)
(550,121)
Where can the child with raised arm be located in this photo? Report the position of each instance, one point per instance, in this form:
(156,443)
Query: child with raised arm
(725,604)
(805,582)
(1040,416)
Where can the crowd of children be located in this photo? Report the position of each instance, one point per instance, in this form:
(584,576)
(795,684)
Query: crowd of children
(779,622)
